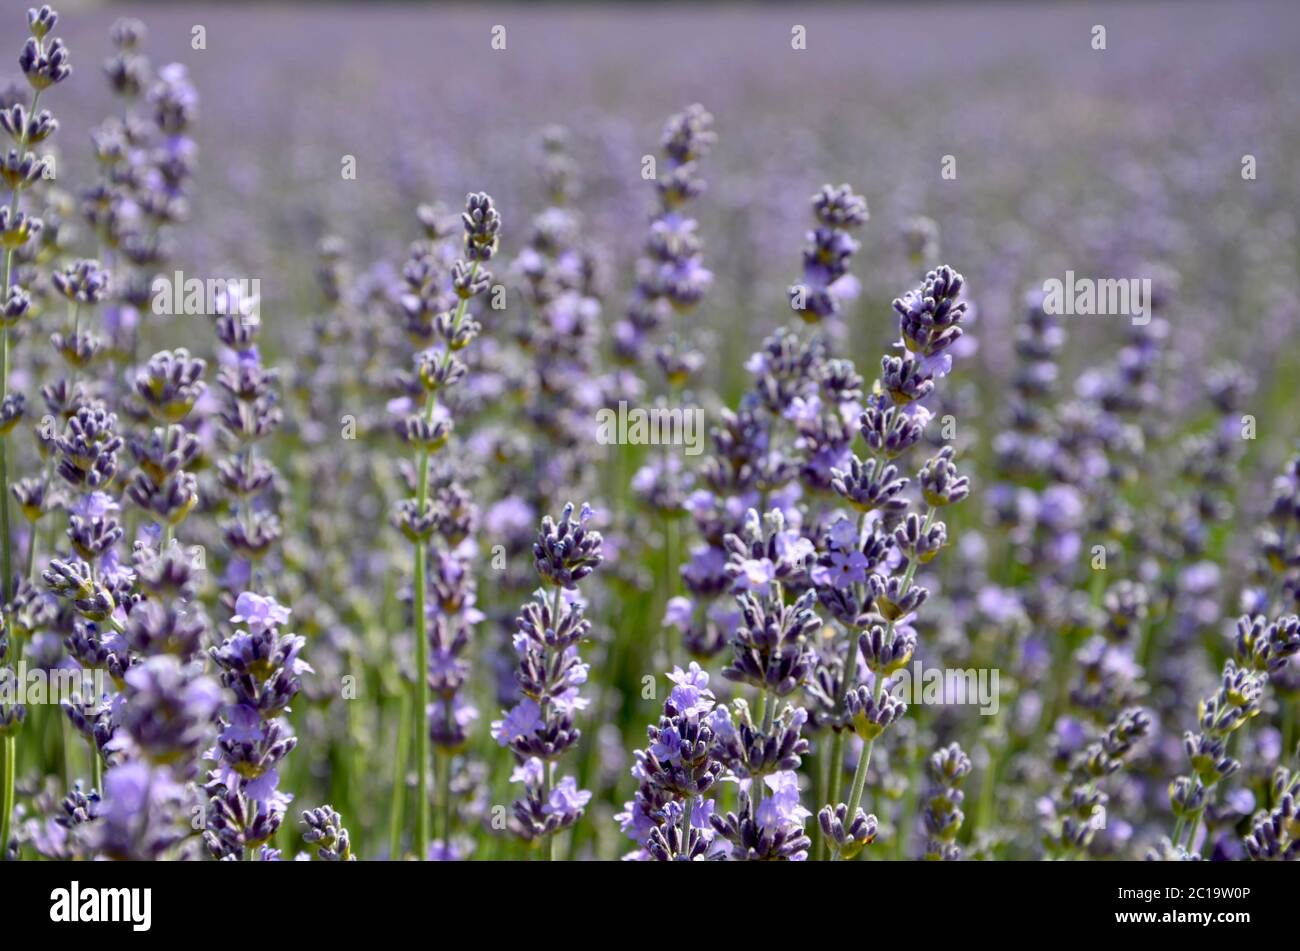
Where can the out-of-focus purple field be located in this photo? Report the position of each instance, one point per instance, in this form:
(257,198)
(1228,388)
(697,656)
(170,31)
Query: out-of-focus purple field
(1095,548)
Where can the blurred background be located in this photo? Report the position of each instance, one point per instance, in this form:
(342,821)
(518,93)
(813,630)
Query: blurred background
(1123,162)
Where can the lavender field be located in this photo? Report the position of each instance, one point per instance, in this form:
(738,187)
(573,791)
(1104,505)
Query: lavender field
(495,433)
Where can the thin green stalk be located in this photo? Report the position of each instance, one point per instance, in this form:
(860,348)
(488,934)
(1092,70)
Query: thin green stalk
(907,814)
(548,842)
(442,766)
(687,805)
(31,553)
(548,777)
(860,774)
(837,742)
(670,575)
(421,630)
(399,776)
(65,732)
(985,815)
(419,714)
(8,770)
(821,764)
(4,486)
(1195,823)
(765,713)
(837,767)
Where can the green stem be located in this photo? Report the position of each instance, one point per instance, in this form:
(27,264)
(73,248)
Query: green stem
(837,767)
(97,766)
(823,781)
(421,630)
(670,575)
(4,486)
(442,766)
(420,714)
(985,817)
(67,746)
(399,777)
(860,774)
(687,806)
(8,771)
(548,842)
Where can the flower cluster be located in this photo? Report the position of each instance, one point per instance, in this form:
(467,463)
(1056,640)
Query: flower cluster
(826,280)
(250,413)
(447,517)
(262,668)
(1079,809)
(942,815)
(541,727)
(669,816)
(671,276)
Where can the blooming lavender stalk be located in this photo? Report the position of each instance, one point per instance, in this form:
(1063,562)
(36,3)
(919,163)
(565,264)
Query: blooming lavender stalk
(893,421)
(770,651)
(454,613)
(146,157)
(262,668)
(439,368)
(1079,808)
(325,830)
(540,727)
(943,816)
(1259,648)
(1275,834)
(44,65)
(669,816)
(826,282)
(671,281)
(95,581)
(169,386)
(670,273)
(250,413)
(150,734)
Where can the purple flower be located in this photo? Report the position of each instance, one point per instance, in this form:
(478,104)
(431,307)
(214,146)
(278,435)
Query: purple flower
(530,772)
(668,746)
(522,720)
(843,570)
(259,613)
(755,575)
(678,612)
(566,800)
(781,808)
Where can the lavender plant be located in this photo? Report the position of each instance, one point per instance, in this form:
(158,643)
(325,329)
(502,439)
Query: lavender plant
(439,368)
(174,492)
(540,727)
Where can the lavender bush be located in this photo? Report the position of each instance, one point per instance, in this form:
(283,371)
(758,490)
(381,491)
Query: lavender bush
(953,514)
